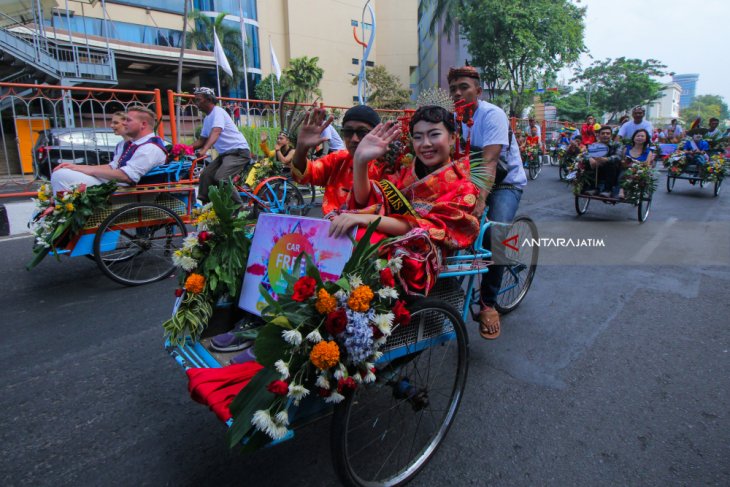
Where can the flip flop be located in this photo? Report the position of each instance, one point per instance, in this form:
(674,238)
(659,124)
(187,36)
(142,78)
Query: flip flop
(484,321)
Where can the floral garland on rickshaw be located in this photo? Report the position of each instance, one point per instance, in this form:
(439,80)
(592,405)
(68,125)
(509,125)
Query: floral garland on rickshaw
(59,217)
(211,259)
(714,170)
(638,180)
(675,163)
(321,338)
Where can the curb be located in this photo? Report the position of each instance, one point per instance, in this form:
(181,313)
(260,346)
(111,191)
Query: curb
(4,222)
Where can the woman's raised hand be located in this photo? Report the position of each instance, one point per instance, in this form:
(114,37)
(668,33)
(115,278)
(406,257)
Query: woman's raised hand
(310,130)
(375,144)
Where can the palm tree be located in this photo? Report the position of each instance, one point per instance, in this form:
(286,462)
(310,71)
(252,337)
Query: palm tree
(304,76)
(230,37)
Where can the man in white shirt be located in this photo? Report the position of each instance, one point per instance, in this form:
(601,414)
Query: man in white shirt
(333,142)
(674,131)
(627,130)
(219,132)
(490,133)
(141,153)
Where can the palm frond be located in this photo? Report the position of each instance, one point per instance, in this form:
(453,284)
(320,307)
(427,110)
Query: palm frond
(480,176)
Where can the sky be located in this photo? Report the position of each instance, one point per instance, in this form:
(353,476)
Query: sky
(685,35)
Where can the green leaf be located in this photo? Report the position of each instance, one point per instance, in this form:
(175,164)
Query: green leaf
(343,283)
(281,321)
(270,346)
(251,398)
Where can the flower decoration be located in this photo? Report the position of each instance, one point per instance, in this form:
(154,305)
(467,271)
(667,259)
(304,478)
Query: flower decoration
(326,303)
(325,355)
(278,387)
(304,289)
(195,283)
(360,298)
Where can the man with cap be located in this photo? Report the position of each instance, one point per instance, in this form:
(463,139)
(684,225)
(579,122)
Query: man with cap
(491,133)
(626,132)
(333,171)
(219,132)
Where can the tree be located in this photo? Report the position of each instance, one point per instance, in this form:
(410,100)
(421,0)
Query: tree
(573,107)
(202,38)
(706,106)
(446,10)
(385,90)
(304,76)
(516,43)
(263,88)
(616,86)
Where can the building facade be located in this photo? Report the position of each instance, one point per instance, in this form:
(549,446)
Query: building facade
(666,108)
(688,83)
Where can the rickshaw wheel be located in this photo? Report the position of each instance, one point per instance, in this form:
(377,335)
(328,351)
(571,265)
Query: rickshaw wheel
(134,245)
(563,172)
(643,207)
(384,433)
(533,169)
(581,204)
(283,198)
(670,183)
(518,274)
(718,185)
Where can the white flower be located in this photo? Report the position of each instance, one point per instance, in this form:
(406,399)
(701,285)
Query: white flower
(357,378)
(282,417)
(380,264)
(292,337)
(262,421)
(190,241)
(282,368)
(341,371)
(184,261)
(387,292)
(334,398)
(322,382)
(384,322)
(314,337)
(377,356)
(297,392)
(355,281)
(380,341)
(369,377)
(395,264)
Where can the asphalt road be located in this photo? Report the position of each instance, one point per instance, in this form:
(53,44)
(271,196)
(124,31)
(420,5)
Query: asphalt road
(607,374)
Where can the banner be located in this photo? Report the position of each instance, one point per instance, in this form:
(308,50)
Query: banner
(275,68)
(220,56)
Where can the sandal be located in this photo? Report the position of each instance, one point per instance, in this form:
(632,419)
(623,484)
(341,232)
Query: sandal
(489,327)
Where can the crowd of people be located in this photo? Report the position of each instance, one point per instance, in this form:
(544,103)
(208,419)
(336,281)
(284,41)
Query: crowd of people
(431,206)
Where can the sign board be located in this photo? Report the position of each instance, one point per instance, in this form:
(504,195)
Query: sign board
(277,242)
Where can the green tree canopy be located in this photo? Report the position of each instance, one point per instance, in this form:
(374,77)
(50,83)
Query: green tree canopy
(385,90)
(516,43)
(263,88)
(618,85)
(706,106)
(202,38)
(304,75)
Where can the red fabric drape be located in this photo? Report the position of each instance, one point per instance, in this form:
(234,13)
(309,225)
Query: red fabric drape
(216,388)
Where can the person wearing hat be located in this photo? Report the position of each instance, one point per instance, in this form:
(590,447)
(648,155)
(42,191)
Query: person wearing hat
(491,134)
(333,171)
(627,130)
(696,148)
(219,132)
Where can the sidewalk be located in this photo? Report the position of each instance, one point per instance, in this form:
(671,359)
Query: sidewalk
(15,211)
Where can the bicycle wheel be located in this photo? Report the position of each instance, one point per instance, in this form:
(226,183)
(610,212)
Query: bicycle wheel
(563,172)
(385,432)
(670,183)
(282,197)
(308,194)
(519,273)
(581,204)
(134,245)
(643,207)
(533,169)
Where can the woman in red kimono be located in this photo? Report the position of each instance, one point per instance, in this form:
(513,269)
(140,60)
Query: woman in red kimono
(428,204)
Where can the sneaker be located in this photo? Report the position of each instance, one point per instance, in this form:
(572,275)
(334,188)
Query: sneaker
(235,340)
(243,357)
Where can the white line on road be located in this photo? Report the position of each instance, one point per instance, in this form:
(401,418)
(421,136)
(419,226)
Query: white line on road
(17,237)
(649,247)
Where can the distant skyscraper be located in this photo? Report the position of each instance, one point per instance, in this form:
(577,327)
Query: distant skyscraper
(688,82)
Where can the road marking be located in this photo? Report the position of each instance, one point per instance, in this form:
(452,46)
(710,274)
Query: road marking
(649,247)
(17,237)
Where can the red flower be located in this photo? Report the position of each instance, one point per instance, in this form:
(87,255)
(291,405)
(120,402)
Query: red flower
(324,392)
(386,277)
(204,236)
(178,292)
(376,332)
(304,288)
(346,384)
(336,322)
(278,387)
(402,315)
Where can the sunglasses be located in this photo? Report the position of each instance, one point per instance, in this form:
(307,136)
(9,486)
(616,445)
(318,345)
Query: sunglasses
(348,132)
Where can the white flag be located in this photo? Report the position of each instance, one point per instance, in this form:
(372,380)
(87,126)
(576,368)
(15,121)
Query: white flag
(220,56)
(275,68)
(244,37)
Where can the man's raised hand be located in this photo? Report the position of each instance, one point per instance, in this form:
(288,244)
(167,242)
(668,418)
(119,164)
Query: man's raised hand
(375,144)
(310,130)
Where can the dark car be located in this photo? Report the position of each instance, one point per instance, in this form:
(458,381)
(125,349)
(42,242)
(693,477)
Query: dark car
(75,145)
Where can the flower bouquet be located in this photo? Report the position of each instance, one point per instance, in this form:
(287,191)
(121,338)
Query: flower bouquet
(675,163)
(180,150)
(62,215)
(584,175)
(715,169)
(213,259)
(320,338)
(638,181)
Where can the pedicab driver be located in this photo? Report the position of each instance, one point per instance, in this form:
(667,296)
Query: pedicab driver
(140,154)
(491,133)
(221,133)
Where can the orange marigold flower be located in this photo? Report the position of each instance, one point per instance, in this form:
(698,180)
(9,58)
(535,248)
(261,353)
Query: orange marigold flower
(360,298)
(325,355)
(326,303)
(195,283)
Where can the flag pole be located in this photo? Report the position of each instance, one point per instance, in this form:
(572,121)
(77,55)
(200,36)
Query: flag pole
(244,39)
(273,98)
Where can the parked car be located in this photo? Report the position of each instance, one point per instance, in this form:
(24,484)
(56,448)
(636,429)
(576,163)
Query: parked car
(94,146)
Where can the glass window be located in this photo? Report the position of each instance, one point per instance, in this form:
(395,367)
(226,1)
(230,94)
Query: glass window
(176,6)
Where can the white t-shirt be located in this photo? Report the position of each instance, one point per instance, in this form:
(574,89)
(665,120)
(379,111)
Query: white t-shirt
(333,137)
(677,131)
(491,127)
(145,158)
(528,130)
(230,137)
(628,129)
